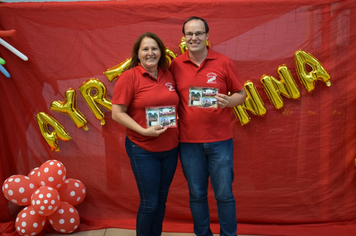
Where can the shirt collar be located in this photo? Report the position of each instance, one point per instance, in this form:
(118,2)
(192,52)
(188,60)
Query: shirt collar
(211,55)
(143,71)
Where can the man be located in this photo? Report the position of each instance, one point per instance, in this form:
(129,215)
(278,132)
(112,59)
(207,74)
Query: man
(206,145)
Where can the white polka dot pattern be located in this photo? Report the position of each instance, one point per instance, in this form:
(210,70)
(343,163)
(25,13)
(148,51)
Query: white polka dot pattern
(18,189)
(66,219)
(52,173)
(28,222)
(33,174)
(40,192)
(45,200)
(73,191)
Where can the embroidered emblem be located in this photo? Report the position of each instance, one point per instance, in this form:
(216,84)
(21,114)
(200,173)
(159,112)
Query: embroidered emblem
(211,78)
(170,86)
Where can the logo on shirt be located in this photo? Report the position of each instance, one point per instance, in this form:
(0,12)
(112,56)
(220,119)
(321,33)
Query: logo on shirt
(211,78)
(170,86)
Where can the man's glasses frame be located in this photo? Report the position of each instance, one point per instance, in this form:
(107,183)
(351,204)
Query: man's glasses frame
(191,34)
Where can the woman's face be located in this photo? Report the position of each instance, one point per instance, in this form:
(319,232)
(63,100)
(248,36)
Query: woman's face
(149,53)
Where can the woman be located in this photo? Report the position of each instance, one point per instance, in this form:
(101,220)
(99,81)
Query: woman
(153,150)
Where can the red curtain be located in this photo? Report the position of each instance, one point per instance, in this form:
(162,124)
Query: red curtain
(294,166)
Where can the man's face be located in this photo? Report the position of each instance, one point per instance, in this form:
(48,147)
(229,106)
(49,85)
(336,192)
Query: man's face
(195,36)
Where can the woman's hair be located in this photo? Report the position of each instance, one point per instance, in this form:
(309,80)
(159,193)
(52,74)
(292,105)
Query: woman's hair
(196,18)
(163,62)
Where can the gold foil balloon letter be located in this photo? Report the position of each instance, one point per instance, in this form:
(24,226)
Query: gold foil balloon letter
(253,103)
(94,93)
(69,107)
(114,72)
(170,55)
(59,132)
(275,88)
(182,45)
(308,78)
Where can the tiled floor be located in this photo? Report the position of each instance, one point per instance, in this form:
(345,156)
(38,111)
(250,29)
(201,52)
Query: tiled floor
(119,232)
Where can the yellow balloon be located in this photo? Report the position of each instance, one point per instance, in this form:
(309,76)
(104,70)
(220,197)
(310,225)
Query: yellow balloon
(274,88)
(308,78)
(69,107)
(290,84)
(93,99)
(242,115)
(182,45)
(253,103)
(114,72)
(170,55)
(208,43)
(59,132)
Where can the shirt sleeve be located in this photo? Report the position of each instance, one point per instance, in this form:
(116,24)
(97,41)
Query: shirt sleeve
(233,78)
(124,89)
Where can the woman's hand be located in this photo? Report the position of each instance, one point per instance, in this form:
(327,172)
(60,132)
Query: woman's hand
(119,114)
(154,131)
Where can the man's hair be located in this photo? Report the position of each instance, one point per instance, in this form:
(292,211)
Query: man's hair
(196,18)
(162,63)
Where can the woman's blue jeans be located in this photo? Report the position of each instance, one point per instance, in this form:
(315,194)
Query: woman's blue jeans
(154,173)
(199,161)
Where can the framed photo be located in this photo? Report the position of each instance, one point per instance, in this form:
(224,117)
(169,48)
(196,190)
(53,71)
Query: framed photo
(203,97)
(165,116)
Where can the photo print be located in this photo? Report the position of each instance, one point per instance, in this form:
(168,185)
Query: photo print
(203,97)
(164,116)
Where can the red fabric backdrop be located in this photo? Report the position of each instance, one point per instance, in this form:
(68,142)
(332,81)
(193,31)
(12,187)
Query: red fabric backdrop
(294,167)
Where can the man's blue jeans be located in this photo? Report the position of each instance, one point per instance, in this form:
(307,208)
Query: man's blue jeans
(154,173)
(199,161)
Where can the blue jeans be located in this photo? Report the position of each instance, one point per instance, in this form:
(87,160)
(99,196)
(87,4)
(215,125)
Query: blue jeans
(154,173)
(199,161)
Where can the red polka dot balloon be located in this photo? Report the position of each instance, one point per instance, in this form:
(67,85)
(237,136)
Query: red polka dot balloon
(33,175)
(73,191)
(45,200)
(52,173)
(28,222)
(18,189)
(65,219)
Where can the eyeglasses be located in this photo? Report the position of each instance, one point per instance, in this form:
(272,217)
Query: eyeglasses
(197,34)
